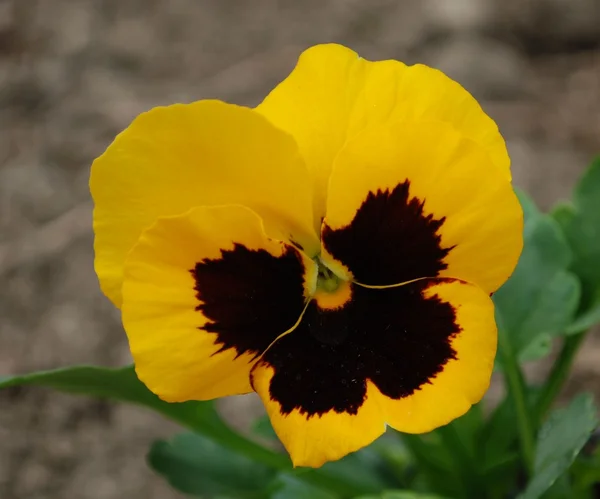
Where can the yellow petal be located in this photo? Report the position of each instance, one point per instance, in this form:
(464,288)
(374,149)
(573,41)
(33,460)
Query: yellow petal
(414,356)
(314,441)
(173,158)
(466,377)
(205,293)
(333,94)
(416,200)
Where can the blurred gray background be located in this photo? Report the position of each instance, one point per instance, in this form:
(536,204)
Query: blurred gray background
(73,73)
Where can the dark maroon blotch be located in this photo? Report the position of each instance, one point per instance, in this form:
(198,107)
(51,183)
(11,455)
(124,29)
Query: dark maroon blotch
(390,240)
(250,297)
(394,337)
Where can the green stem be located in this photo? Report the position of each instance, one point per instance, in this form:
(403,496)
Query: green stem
(515,384)
(467,467)
(558,375)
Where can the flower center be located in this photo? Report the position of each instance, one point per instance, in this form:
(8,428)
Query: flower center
(327,281)
(332,291)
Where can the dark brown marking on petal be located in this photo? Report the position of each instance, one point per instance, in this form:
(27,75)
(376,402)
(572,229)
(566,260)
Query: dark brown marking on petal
(249,296)
(394,337)
(390,240)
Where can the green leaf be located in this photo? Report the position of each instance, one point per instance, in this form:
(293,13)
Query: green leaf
(561,489)
(586,469)
(447,457)
(428,451)
(122,384)
(288,487)
(401,494)
(467,429)
(262,427)
(199,466)
(585,321)
(559,441)
(395,458)
(499,436)
(580,223)
(118,384)
(494,439)
(365,467)
(502,462)
(435,463)
(540,299)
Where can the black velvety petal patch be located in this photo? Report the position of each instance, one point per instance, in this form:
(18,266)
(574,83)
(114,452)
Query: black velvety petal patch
(250,297)
(390,240)
(395,337)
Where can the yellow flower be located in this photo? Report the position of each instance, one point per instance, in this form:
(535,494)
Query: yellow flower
(333,249)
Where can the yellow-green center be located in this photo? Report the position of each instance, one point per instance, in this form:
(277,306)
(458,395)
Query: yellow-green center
(327,281)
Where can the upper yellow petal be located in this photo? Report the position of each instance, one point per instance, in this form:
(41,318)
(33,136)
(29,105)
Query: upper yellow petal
(173,158)
(413,200)
(333,94)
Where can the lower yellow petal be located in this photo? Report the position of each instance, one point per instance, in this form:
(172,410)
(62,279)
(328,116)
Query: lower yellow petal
(314,441)
(466,377)
(204,295)
(414,357)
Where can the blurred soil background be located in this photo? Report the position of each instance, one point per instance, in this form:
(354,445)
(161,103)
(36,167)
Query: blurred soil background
(73,73)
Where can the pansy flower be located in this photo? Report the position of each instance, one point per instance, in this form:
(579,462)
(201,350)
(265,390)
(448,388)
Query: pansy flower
(333,250)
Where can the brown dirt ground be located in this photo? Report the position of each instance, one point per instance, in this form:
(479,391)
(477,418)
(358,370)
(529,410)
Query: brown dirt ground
(73,73)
